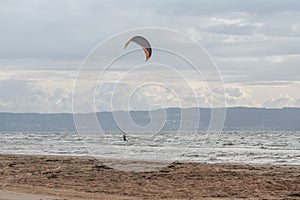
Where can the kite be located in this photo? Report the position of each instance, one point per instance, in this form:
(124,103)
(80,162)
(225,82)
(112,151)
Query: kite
(143,42)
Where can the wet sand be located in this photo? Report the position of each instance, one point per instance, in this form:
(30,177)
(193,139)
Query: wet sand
(58,177)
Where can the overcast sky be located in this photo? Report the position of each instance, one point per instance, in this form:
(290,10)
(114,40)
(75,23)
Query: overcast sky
(255,45)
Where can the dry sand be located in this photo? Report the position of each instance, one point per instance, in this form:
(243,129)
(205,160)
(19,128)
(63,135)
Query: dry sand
(57,177)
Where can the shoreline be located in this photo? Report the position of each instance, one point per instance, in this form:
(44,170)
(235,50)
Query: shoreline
(75,177)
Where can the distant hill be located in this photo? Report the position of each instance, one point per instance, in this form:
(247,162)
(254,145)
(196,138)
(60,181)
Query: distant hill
(237,118)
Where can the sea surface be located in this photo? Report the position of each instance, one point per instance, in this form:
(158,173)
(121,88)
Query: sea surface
(228,147)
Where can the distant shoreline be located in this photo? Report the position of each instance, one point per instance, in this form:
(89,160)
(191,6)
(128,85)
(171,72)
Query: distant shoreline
(236,119)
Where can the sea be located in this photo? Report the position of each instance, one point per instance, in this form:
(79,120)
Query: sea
(251,147)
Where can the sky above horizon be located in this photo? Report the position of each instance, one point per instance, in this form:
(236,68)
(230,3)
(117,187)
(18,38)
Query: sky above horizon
(255,45)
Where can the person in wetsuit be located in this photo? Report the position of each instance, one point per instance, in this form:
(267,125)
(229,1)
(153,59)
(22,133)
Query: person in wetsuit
(125,138)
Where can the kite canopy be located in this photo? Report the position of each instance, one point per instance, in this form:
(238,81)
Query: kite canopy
(143,42)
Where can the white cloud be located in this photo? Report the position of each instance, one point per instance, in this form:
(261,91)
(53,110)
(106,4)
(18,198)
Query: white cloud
(279,102)
(235,25)
(297,102)
(36,91)
(282,101)
(237,96)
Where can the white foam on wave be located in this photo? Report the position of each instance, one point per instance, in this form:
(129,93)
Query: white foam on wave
(235,147)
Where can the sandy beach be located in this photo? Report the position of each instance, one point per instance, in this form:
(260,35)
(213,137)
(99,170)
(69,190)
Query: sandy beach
(58,177)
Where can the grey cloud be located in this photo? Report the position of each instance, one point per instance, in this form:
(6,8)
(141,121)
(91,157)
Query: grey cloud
(282,24)
(204,7)
(268,83)
(69,29)
(264,47)
(57,35)
(58,29)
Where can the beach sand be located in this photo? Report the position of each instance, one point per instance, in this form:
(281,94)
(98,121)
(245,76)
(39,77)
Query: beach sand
(58,177)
